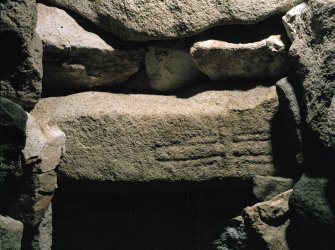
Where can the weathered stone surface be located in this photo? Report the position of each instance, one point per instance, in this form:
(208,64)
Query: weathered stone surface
(267,187)
(289,106)
(45,145)
(312,203)
(78,59)
(44,148)
(20,53)
(291,17)
(148,20)
(268,221)
(117,137)
(313,51)
(234,237)
(170,68)
(42,239)
(11,232)
(13,138)
(265,59)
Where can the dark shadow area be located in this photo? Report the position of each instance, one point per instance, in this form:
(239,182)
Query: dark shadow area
(184,220)
(283,157)
(11,53)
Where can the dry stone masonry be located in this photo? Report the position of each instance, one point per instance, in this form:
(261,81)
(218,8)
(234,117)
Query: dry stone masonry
(149,124)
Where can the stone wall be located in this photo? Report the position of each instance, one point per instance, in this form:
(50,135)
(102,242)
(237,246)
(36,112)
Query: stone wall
(167,124)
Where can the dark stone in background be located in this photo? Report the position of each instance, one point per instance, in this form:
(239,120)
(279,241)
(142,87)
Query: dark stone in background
(12,133)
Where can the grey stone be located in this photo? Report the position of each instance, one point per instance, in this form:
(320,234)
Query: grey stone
(289,106)
(313,51)
(11,233)
(234,236)
(21,70)
(42,239)
(215,134)
(13,138)
(76,59)
(291,17)
(44,148)
(268,221)
(267,187)
(150,19)
(220,60)
(170,68)
(312,203)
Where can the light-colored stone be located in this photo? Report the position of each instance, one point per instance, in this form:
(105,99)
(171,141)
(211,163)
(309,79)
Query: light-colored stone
(267,187)
(117,137)
(44,148)
(313,52)
(292,17)
(268,221)
(220,60)
(45,145)
(11,233)
(152,19)
(21,53)
(75,58)
(42,239)
(170,69)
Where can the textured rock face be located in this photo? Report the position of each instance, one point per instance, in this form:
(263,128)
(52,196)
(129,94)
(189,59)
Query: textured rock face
(78,59)
(268,222)
(13,138)
(290,109)
(144,138)
(44,148)
(42,239)
(291,17)
(266,59)
(170,68)
(11,232)
(312,206)
(21,70)
(234,237)
(313,49)
(267,187)
(148,20)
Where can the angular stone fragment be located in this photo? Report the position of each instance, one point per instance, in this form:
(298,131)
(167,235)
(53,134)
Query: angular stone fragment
(291,17)
(312,205)
(268,221)
(234,237)
(11,232)
(117,137)
(267,187)
(12,140)
(151,19)
(170,69)
(44,148)
(78,59)
(42,239)
(290,109)
(265,59)
(313,51)
(20,53)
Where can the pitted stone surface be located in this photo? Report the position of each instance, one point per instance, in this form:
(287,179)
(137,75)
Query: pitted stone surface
(117,137)
(153,20)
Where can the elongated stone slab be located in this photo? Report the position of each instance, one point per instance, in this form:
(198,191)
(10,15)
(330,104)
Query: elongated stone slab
(142,138)
(220,60)
(153,20)
(76,59)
